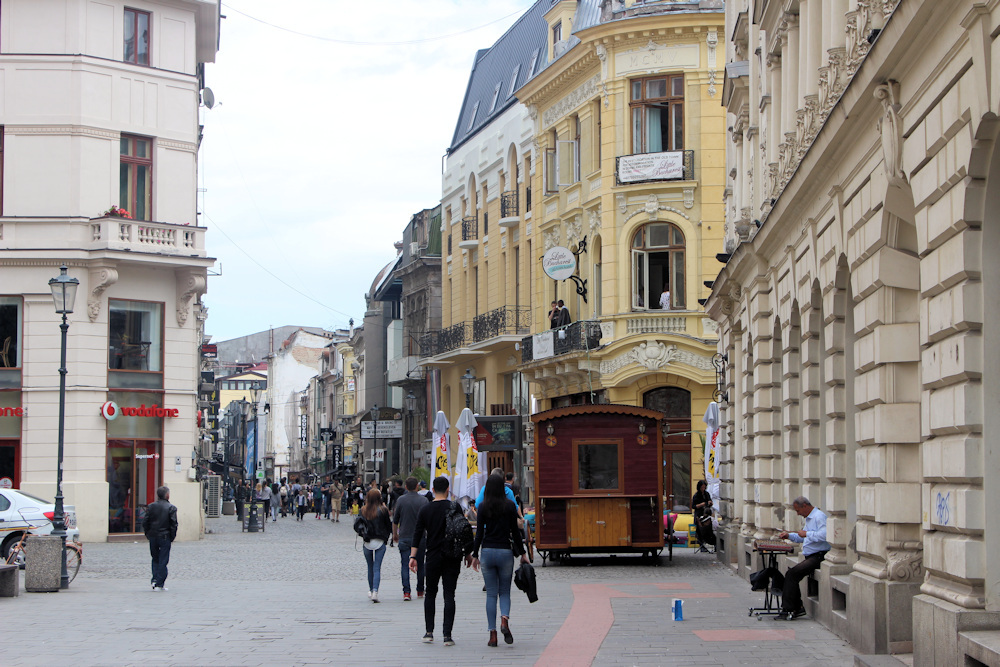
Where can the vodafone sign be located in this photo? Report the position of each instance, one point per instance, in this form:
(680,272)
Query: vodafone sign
(111,411)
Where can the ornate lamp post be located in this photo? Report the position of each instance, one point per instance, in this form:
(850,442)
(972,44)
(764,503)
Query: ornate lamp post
(63,295)
(255,388)
(468,381)
(410,403)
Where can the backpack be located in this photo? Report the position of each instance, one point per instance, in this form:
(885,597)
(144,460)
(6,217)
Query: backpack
(458,536)
(284,491)
(363,528)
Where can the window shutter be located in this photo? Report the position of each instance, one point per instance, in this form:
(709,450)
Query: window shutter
(567,162)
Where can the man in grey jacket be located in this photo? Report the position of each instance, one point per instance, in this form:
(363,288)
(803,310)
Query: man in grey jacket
(404,520)
(160,527)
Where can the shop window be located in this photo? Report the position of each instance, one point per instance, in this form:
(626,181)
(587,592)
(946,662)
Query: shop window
(597,465)
(136,37)
(657,107)
(135,181)
(658,267)
(135,341)
(133,475)
(479,397)
(10,332)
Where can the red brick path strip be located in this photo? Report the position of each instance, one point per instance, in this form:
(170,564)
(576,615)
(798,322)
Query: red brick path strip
(744,635)
(591,617)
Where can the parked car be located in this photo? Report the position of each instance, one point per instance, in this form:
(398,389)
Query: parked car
(20,510)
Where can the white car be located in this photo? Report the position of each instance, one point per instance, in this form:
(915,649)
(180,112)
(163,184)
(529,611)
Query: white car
(20,511)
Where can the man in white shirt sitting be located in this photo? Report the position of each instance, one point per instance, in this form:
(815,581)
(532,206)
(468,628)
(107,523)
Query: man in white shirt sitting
(665,298)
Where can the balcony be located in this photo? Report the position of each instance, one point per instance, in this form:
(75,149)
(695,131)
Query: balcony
(103,234)
(509,216)
(507,320)
(496,328)
(470,232)
(654,167)
(576,337)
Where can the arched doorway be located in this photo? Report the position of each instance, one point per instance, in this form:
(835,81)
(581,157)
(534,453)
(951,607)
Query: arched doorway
(675,404)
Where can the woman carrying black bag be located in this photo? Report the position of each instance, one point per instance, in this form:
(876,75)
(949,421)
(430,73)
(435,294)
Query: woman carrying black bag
(701,503)
(498,540)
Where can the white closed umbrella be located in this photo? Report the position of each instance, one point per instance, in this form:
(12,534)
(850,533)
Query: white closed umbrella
(468,466)
(439,438)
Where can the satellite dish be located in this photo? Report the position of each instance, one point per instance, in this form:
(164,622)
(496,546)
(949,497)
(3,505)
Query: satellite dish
(208,97)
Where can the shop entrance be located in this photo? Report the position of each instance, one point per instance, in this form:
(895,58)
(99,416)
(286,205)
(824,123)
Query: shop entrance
(675,404)
(10,464)
(133,476)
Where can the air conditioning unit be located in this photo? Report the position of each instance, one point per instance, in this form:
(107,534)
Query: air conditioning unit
(214,497)
(414,249)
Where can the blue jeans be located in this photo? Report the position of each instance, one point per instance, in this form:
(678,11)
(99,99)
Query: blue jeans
(404,557)
(498,570)
(374,560)
(159,549)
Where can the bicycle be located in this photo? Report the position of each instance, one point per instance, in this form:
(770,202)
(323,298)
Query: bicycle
(18,552)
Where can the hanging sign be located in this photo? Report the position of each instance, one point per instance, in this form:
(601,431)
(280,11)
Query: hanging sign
(559,263)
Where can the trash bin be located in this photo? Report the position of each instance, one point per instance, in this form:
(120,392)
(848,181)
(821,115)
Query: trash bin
(228,507)
(43,564)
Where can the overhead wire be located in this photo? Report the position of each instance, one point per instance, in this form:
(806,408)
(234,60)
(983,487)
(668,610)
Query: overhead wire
(350,42)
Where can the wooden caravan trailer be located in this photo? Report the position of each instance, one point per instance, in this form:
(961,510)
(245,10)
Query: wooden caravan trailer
(598,480)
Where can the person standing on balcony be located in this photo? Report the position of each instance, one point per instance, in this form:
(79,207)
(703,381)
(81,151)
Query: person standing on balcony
(665,297)
(564,318)
(554,315)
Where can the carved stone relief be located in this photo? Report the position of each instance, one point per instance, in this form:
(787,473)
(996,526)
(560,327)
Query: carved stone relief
(100,279)
(189,285)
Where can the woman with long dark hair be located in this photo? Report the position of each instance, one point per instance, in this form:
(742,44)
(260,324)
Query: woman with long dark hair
(701,504)
(498,541)
(377,515)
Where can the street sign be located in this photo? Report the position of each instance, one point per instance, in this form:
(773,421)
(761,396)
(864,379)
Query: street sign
(368,430)
(385,428)
(260,474)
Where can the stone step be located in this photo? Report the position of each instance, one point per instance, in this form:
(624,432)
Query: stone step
(877,661)
(982,645)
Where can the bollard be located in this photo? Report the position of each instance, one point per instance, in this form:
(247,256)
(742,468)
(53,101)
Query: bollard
(43,564)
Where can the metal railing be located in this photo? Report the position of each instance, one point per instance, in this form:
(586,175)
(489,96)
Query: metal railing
(470,228)
(576,337)
(508,204)
(505,320)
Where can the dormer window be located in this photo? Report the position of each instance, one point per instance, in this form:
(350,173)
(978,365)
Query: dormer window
(472,117)
(557,33)
(513,79)
(496,96)
(534,61)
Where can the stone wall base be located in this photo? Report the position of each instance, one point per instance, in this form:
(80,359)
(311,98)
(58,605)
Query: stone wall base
(937,625)
(880,614)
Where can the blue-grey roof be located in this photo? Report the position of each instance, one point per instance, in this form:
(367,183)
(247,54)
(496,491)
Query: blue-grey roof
(522,49)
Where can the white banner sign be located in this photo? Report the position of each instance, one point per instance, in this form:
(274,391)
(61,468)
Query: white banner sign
(367,430)
(389,428)
(651,167)
(542,345)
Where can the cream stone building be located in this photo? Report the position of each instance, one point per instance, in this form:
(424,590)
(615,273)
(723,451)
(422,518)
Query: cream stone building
(100,110)
(856,312)
(630,137)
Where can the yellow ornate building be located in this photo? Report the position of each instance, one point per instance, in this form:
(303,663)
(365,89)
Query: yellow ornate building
(630,139)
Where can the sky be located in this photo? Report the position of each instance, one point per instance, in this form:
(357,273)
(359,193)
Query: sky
(317,151)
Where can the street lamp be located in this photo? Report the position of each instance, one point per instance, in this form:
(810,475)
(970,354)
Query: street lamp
(468,380)
(63,295)
(410,403)
(255,387)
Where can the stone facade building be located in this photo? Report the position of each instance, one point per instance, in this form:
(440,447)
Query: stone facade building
(99,135)
(856,312)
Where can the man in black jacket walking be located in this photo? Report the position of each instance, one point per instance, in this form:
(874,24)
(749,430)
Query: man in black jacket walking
(160,527)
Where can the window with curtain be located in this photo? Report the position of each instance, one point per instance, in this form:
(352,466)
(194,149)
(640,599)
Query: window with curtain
(136,177)
(136,37)
(657,107)
(658,267)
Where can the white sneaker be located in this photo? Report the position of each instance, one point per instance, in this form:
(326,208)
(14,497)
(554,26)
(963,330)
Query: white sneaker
(374,596)
(370,594)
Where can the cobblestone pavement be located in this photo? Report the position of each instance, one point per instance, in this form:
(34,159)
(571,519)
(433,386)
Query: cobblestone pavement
(296,595)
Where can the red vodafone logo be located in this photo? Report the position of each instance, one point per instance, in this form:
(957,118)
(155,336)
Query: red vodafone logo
(110,411)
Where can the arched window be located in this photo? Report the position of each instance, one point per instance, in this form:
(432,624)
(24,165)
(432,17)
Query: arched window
(658,266)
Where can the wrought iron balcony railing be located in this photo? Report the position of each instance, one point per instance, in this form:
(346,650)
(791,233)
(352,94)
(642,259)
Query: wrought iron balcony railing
(470,228)
(508,204)
(506,320)
(575,337)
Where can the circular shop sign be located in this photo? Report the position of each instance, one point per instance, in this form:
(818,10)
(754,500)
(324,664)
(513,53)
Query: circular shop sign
(110,410)
(6,483)
(559,263)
